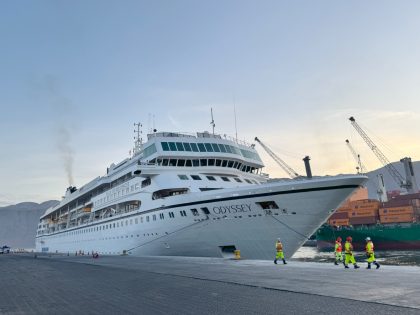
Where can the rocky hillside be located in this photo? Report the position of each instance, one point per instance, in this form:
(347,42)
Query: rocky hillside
(390,184)
(18,223)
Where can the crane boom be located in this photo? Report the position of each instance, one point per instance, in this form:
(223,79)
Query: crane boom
(361,167)
(279,161)
(397,177)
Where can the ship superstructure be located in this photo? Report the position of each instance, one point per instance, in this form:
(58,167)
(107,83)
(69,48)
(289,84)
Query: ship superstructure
(194,195)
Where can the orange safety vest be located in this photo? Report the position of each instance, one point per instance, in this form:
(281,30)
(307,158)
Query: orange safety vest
(279,246)
(369,247)
(338,247)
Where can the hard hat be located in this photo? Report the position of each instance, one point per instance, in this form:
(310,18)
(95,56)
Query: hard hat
(367,238)
(339,239)
(349,238)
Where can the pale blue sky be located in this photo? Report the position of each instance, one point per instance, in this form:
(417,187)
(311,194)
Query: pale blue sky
(296,70)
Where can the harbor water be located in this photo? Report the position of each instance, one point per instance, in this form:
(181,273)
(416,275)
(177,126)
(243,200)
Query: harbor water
(407,258)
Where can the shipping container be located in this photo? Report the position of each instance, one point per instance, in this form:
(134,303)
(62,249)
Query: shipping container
(363,220)
(344,209)
(363,213)
(397,210)
(339,215)
(396,218)
(339,222)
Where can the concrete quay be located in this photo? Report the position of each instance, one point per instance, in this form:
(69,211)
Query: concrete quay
(180,285)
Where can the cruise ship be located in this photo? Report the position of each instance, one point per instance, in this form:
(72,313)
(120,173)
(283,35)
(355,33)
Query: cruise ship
(201,195)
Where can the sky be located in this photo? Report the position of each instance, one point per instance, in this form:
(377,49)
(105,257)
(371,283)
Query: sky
(76,75)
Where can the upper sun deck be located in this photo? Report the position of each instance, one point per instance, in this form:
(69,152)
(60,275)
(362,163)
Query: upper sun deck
(201,144)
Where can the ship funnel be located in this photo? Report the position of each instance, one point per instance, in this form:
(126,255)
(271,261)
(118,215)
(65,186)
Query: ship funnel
(306,160)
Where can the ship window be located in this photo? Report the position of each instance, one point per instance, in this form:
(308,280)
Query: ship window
(195,177)
(171,215)
(147,218)
(211,178)
(222,147)
(201,147)
(194,147)
(228,148)
(203,162)
(165,162)
(179,146)
(188,163)
(208,147)
(141,219)
(268,205)
(126,222)
(230,164)
(224,163)
(248,181)
(181,163)
(196,162)
(187,146)
(131,221)
(172,146)
(146,182)
(113,225)
(239,166)
(172,162)
(205,210)
(154,217)
(218,162)
(161,216)
(194,212)
(237,179)
(211,162)
(215,147)
(183,177)
(225,179)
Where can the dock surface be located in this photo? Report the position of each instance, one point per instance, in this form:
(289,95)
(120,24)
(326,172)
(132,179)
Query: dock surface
(179,285)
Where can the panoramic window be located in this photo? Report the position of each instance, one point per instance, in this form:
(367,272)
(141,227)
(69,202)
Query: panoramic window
(187,146)
(181,163)
(172,146)
(218,162)
(194,147)
(179,146)
(203,162)
(222,147)
(208,146)
(201,147)
(215,147)
(165,146)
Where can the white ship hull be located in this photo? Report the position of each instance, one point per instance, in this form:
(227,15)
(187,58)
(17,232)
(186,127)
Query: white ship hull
(236,221)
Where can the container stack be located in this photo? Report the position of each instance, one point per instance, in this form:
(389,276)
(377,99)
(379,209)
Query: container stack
(356,212)
(401,209)
(397,214)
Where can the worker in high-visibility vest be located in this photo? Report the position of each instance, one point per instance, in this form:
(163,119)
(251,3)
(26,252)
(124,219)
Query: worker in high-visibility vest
(279,254)
(348,247)
(370,254)
(338,250)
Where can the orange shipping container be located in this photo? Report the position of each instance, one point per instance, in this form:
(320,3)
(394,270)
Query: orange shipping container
(339,222)
(396,218)
(344,209)
(363,213)
(397,210)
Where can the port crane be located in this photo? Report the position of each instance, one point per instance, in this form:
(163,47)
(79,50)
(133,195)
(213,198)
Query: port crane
(290,171)
(409,183)
(361,169)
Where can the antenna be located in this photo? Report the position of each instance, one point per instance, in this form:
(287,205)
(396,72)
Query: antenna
(137,138)
(234,112)
(212,120)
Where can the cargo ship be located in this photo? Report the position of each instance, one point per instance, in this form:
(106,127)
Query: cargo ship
(393,225)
